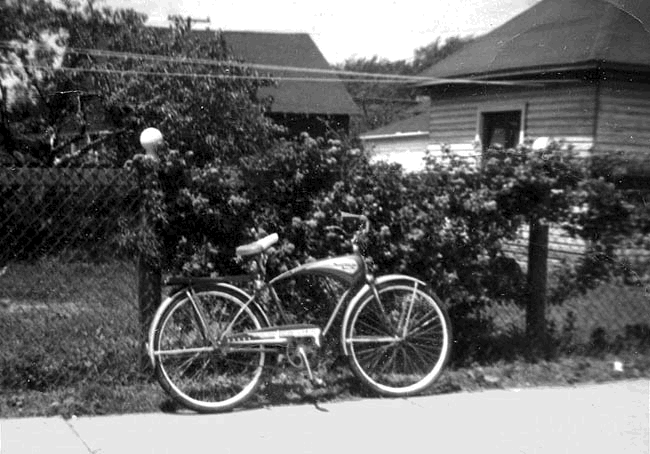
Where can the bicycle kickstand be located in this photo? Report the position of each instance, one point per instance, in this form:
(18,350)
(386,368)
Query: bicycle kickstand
(315,380)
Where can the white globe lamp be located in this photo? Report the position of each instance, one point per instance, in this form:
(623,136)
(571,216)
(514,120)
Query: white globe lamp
(151,139)
(541,143)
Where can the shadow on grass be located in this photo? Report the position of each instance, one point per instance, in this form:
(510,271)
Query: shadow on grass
(294,388)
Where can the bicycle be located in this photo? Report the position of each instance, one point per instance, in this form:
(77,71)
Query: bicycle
(209,340)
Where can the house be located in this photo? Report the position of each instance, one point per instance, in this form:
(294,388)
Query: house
(312,100)
(572,69)
(404,141)
(310,106)
(578,70)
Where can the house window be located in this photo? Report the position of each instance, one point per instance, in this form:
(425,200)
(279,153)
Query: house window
(501,129)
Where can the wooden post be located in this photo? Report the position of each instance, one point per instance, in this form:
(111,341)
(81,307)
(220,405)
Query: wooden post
(149,271)
(149,291)
(537,281)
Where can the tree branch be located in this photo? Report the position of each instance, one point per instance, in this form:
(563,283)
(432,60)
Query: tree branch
(90,145)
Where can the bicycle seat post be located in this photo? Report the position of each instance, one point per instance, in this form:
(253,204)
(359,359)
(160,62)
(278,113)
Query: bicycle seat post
(260,268)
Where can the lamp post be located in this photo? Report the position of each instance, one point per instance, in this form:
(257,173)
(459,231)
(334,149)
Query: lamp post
(151,140)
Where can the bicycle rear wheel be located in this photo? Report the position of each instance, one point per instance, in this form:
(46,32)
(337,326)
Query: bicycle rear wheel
(398,344)
(192,365)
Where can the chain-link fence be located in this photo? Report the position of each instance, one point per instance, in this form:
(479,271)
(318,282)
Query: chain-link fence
(69,293)
(610,312)
(610,315)
(68,290)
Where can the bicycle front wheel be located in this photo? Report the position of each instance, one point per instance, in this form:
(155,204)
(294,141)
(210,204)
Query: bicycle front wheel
(193,365)
(398,339)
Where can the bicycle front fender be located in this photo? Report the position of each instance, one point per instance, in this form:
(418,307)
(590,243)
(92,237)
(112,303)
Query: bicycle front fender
(366,290)
(181,294)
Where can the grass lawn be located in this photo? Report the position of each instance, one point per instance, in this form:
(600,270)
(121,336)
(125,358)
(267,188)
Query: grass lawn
(70,345)
(63,322)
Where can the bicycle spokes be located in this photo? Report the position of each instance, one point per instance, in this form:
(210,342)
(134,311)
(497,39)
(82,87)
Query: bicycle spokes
(192,361)
(399,343)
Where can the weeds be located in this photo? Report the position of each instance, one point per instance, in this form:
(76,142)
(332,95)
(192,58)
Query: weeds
(71,345)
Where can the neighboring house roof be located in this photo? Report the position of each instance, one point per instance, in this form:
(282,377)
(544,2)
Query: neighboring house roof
(296,50)
(412,126)
(558,34)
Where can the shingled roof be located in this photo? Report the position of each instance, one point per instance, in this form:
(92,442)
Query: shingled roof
(556,35)
(295,50)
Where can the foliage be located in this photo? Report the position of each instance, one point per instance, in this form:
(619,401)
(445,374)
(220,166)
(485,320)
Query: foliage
(202,213)
(427,56)
(445,225)
(223,179)
(45,212)
(209,109)
(383,103)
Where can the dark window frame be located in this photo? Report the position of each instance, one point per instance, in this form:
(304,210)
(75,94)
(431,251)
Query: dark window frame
(494,110)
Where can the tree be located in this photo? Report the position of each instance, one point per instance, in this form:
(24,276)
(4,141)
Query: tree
(209,108)
(383,103)
(427,56)
(31,41)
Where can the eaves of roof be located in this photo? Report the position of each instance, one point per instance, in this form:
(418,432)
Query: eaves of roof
(556,34)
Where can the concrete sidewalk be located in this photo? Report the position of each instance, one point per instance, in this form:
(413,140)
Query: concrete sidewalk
(608,418)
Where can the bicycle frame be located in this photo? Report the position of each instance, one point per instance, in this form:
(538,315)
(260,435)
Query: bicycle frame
(350,270)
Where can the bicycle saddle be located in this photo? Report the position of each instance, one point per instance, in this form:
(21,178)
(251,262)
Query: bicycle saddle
(257,247)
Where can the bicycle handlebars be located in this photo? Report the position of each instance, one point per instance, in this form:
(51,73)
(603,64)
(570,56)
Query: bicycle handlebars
(360,217)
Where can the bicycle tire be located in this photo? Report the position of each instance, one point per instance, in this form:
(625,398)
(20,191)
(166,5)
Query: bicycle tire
(397,351)
(213,379)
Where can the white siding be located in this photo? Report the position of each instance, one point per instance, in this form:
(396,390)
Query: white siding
(407,151)
(564,111)
(624,123)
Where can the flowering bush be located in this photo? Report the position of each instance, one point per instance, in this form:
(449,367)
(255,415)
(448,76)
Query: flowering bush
(446,224)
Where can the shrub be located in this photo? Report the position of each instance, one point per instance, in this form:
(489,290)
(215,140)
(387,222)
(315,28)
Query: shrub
(445,225)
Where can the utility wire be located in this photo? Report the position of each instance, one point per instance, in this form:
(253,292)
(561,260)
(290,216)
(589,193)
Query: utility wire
(268,67)
(220,63)
(126,72)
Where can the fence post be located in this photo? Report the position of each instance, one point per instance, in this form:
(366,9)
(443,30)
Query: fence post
(537,280)
(149,291)
(149,270)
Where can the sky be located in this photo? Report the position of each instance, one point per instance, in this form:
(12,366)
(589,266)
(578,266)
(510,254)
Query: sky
(342,29)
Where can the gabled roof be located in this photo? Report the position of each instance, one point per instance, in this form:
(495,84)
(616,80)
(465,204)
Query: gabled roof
(295,50)
(558,34)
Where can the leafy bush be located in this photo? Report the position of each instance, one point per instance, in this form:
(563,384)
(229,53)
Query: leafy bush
(445,225)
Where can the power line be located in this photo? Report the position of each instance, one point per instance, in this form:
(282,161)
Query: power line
(268,67)
(220,63)
(127,72)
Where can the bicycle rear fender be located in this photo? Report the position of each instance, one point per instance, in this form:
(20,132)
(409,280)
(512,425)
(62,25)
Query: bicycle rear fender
(365,291)
(181,294)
